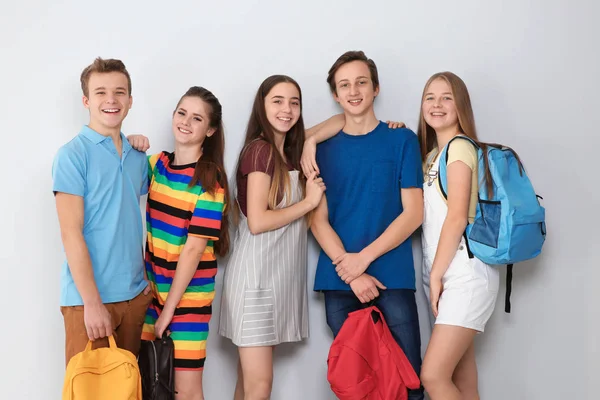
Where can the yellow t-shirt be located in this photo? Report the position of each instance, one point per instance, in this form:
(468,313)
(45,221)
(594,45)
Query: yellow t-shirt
(462,150)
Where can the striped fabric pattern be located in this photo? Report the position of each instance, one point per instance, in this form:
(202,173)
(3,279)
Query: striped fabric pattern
(173,211)
(264,300)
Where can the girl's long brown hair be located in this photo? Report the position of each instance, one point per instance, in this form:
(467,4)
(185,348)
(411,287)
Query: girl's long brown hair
(210,168)
(259,127)
(466,124)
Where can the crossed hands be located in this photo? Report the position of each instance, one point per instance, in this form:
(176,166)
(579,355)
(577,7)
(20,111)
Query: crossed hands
(351,268)
(366,288)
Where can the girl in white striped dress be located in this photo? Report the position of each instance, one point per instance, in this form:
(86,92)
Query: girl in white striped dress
(264,299)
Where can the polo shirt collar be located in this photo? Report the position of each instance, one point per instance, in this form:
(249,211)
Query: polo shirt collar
(96,138)
(92,135)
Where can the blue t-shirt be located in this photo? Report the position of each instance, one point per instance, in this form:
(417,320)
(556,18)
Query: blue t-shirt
(364,175)
(89,166)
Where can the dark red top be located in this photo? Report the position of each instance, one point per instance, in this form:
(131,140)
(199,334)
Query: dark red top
(256,158)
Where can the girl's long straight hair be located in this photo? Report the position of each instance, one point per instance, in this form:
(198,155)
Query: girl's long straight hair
(466,125)
(210,168)
(259,127)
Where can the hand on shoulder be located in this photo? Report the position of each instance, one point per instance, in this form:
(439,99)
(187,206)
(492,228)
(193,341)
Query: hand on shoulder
(139,142)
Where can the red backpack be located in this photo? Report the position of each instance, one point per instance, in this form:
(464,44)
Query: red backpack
(366,363)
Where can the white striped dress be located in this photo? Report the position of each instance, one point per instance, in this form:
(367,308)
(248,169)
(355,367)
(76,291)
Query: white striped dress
(264,300)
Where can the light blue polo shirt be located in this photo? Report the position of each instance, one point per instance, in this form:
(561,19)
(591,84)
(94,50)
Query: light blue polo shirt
(89,166)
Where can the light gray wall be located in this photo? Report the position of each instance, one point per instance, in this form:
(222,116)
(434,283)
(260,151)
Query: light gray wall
(532,69)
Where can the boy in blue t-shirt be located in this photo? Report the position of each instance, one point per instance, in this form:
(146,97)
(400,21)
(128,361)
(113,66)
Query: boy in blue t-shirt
(98,180)
(373,203)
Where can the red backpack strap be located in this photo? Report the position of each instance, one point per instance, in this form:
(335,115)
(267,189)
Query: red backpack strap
(405,369)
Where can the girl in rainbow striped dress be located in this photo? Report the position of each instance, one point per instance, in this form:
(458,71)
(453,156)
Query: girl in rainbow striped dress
(186,220)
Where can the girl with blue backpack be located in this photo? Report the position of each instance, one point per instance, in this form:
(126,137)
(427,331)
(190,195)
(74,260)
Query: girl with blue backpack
(481,212)
(461,288)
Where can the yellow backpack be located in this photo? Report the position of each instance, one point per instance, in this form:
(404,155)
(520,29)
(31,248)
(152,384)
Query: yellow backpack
(108,373)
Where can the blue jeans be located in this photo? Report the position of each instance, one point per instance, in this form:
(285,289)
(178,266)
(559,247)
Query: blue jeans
(399,309)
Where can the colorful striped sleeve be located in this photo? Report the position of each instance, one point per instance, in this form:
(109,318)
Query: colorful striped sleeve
(152,160)
(206,221)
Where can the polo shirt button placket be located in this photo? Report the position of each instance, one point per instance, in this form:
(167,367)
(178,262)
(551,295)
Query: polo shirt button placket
(122,160)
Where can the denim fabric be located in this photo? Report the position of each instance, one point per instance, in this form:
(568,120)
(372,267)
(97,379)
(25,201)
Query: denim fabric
(399,309)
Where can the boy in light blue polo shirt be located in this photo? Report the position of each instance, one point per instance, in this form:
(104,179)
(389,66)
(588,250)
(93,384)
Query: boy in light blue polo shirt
(98,181)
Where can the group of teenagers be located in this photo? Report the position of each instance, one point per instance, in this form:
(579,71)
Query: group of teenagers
(360,185)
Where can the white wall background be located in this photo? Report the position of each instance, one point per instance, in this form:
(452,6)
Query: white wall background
(532,70)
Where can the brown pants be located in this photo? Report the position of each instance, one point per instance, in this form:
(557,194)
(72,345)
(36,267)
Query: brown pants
(127,321)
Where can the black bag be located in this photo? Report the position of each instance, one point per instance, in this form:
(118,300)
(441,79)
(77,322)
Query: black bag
(156,368)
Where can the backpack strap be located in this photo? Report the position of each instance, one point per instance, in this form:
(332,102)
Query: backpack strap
(442,180)
(442,176)
(444,162)
(509,274)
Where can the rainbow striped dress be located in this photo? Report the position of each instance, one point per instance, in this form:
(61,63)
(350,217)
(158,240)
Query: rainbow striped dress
(173,211)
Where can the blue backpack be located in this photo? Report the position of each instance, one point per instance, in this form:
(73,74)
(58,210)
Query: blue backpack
(509,227)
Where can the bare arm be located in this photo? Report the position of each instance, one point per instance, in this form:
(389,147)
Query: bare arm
(327,238)
(71,216)
(401,228)
(459,195)
(365,287)
(320,133)
(352,265)
(326,129)
(317,134)
(331,126)
(262,219)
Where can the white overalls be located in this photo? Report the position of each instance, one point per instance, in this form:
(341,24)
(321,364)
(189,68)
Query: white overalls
(470,286)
